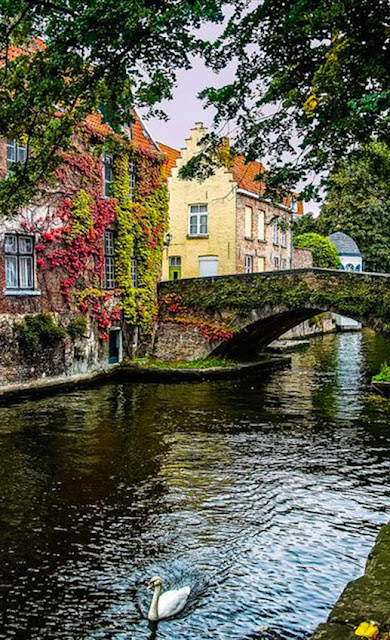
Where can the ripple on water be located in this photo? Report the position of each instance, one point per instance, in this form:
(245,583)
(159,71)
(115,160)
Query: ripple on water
(267,495)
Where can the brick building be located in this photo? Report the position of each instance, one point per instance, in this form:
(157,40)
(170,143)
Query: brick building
(87,251)
(224,224)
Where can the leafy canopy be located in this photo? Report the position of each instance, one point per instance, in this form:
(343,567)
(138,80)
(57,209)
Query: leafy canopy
(358,203)
(117,53)
(324,252)
(315,72)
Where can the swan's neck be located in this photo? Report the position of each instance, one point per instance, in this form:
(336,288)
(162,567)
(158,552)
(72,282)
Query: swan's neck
(153,611)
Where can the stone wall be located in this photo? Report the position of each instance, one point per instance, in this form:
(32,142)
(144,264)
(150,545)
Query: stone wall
(363,600)
(71,356)
(323,323)
(301,258)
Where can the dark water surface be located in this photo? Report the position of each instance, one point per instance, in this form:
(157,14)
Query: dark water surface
(270,493)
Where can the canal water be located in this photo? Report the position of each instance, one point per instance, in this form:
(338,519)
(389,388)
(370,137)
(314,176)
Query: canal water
(264,495)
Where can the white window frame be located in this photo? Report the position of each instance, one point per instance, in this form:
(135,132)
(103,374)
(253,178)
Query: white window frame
(261,226)
(23,260)
(248,264)
(283,238)
(276,263)
(197,226)
(109,259)
(107,168)
(248,222)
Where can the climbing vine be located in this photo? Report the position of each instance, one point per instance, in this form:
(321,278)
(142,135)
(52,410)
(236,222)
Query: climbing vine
(174,309)
(71,236)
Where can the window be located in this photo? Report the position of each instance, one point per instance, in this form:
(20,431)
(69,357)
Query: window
(198,220)
(283,238)
(15,153)
(261,264)
(248,222)
(107,175)
(19,261)
(109,253)
(276,263)
(261,226)
(175,267)
(134,272)
(283,263)
(248,264)
(275,231)
(132,180)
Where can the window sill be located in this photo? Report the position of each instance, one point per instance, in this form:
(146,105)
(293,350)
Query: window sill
(21,292)
(250,238)
(198,236)
(276,244)
(261,241)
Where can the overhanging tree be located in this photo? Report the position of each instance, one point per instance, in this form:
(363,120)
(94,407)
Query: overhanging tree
(358,203)
(312,72)
(116,53)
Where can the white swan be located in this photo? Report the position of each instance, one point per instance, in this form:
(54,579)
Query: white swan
(167,604)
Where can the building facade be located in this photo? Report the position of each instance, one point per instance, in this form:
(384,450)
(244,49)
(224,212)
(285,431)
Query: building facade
(79,265)
(224,224)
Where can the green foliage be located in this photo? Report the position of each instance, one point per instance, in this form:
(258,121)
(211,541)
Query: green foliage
(77,327)
(384,374)
(120,54)
(39,331)
(82,220)
(306,70)
(141,227)
(358,203)
(324,252)
(199,363)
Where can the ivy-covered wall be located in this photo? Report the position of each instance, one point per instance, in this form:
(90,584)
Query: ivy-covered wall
(68,221)
(235,315)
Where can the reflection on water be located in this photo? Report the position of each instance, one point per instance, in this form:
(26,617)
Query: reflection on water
(271,492)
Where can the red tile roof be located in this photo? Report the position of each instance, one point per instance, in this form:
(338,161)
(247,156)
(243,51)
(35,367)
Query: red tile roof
(244,175)
(171,155)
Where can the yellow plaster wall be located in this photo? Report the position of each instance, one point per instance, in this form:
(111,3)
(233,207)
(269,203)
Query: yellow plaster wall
(219,193)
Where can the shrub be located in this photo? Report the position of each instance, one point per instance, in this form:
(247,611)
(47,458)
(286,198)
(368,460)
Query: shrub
(324,252)
(41,330)
(384,374)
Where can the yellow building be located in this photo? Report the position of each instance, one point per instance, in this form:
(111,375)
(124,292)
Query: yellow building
(223,225)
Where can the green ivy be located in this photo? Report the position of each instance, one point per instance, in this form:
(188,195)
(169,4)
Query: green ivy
(82,220)
(360,296)
(140,232)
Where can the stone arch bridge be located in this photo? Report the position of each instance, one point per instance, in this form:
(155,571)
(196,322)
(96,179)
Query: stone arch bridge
(238,315)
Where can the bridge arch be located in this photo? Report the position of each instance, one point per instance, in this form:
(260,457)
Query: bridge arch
(237,315)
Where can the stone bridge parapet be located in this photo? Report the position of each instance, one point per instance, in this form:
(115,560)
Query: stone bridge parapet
(238,315)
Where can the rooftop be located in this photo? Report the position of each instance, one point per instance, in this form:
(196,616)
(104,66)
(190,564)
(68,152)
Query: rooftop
(344,244)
